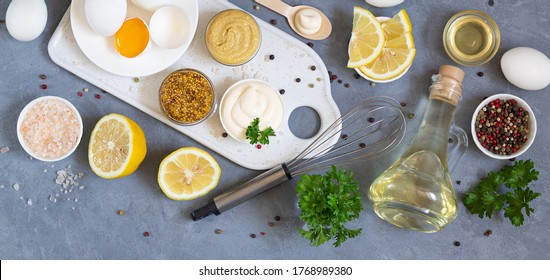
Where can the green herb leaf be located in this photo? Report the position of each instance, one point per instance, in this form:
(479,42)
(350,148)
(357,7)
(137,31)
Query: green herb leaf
(255,135)
(485,199)
(327,202)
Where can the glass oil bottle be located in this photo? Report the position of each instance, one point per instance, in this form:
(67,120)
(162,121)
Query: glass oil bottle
(416,191)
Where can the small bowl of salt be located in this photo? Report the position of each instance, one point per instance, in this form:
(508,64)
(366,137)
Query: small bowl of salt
(49,128)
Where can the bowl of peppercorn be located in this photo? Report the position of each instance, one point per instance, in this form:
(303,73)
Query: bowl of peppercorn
(503,126)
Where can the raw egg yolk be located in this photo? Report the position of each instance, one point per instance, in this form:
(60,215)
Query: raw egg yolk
(132,38)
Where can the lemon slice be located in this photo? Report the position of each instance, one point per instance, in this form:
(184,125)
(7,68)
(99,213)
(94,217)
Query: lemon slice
(390,64)
(405,41)
(117,147)
(367,38)
(188,173)
(398,25)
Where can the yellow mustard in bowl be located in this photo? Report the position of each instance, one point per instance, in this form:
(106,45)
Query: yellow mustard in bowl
(233,37)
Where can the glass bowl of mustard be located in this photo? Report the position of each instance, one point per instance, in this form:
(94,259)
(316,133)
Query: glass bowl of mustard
(187,97)
(233,37)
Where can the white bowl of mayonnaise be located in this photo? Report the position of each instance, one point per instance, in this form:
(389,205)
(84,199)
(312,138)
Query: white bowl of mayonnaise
(246,100)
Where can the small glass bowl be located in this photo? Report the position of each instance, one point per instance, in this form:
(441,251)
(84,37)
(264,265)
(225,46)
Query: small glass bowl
(257,47)
(478,20)
(530,135)
(212,105)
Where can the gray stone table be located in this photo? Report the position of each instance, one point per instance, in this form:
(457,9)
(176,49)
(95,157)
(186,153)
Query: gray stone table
(84,224)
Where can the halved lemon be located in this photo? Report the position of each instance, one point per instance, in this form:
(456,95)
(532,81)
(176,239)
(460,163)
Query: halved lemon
(398,25)
(188,173)
(367,38)
(117,147)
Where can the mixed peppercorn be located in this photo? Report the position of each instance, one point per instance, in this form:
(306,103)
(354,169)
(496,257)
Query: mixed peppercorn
(502,126)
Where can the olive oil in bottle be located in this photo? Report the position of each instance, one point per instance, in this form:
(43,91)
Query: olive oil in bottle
(416,191)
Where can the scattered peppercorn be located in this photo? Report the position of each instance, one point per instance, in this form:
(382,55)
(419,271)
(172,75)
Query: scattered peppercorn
(121,212)
(271,224)
(2,21)
(271,57)
(357,76)
(97,96)
(224,135)
(256,7)
(456,243)
(458,182)
(310,44)
(79,94)
(298,80)
(146,234)
(346,85)
(411,116)
(313,68)
(277,218)
(262,233)
(258,146)
(42,77)
(136,80)
(491,3)
(218,231)
(339,81)
(451,140)
(502,126)
(371,119)
(403,104)
(344,136)
(43,86)
(252,235)
(85,89)
(282,91)
(311,85)
(372,84)
(362,145)
(273,21)
(480,74)
(333,77)
(488,232)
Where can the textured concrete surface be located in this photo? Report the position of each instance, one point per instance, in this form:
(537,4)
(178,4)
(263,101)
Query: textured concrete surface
(90,228)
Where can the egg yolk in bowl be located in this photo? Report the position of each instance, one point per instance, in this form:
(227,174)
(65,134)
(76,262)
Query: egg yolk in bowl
(132,38)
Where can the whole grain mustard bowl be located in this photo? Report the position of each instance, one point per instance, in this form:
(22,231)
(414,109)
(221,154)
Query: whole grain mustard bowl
(187,97)
(233,37)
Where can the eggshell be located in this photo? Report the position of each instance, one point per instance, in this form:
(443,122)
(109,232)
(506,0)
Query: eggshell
(170,27)
(105,17)
(26,19)
(151,5)
(384,3)
(526,68)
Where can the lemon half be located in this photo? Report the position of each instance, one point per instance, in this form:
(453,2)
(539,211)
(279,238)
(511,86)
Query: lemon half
(188,173)
(117,147)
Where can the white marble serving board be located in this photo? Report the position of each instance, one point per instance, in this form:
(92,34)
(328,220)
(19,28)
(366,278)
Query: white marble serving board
(293,59)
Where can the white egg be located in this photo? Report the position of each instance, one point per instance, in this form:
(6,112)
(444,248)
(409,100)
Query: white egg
(384,3)
(526,68)
(26,19)
(151,5)
(105,17)
(170,27)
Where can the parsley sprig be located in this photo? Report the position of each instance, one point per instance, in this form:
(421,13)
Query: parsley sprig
(327,203)
(255,135)
(485,199)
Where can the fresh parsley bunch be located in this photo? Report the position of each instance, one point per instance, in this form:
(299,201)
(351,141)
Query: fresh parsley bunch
(327,203)
(485,199)
(255,135)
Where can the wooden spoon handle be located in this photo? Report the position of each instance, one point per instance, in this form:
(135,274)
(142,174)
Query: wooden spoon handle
(277,6)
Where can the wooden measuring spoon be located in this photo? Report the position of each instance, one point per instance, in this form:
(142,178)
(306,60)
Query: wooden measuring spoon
(290,12)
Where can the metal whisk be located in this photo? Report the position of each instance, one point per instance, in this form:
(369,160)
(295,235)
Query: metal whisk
(372,129)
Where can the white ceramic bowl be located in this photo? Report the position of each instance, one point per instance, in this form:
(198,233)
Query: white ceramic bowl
(22,116)
(170,27)
(223,107)
(532,126)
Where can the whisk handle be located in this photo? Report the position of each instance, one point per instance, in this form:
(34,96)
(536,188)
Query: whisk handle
(235,196)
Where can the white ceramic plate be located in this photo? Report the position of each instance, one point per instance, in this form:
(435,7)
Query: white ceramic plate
(100,50)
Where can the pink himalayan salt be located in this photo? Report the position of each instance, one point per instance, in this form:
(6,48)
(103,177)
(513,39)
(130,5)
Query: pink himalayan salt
(50,129)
